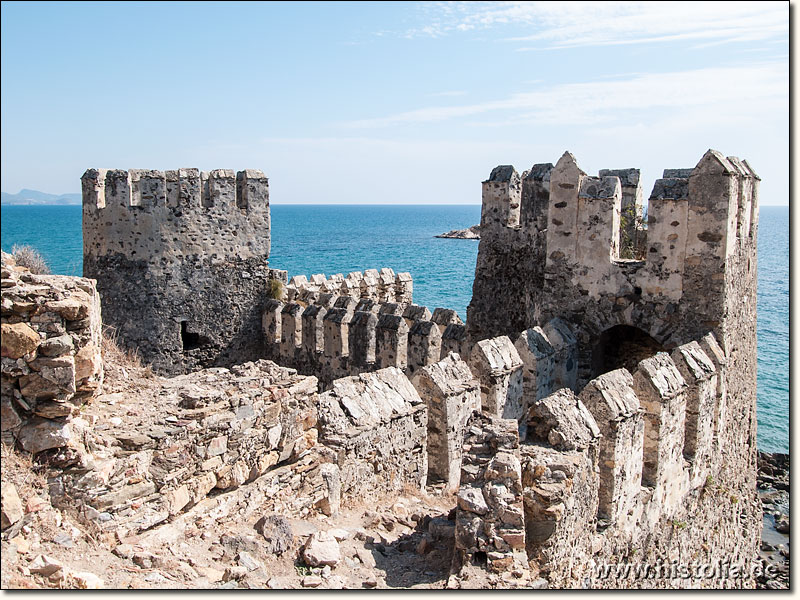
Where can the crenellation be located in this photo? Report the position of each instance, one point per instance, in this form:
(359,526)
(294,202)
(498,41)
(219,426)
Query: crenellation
(369,284)
(662,392)
(424,346)
(535,198)
(404,288)
(391,342)
(312,324)
(386,285)
(390,308)
(677,173)
(454,339)
(291,331)
(336,335)
(382,286)
(597,241)
(538,363)
(565,184)
(336,323)
(326,299)
(444,317)
(745,199)
(699,373)
(368,305)
(711,348)
(221,189)
(452,395)
(498,366)
(271,321)
(350,287)
(615,407)
(414,312)
(564,342)
(666,239)
(501,199)
(361,342)
(347,303)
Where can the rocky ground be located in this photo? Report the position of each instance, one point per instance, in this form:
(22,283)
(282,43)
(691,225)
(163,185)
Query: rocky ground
(773,489)
(225,541)
(471,233)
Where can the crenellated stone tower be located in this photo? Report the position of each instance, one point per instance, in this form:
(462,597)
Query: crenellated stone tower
(550,247)
(180,259)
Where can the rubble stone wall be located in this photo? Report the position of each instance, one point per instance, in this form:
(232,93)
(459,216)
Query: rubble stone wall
(51,363)
(376,424)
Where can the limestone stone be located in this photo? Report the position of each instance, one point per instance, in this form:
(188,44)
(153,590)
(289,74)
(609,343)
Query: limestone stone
(18,340)
(322,549)
(562,421)
(471,499)
(40,434)
(44,565)
(10,506)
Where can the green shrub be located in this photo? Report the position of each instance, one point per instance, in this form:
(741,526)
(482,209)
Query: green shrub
(275,290)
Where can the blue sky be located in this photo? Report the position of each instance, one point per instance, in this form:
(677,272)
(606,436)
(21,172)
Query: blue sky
(390,102)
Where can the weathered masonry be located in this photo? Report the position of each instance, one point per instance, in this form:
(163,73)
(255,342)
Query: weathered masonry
(597,407)
(180,259)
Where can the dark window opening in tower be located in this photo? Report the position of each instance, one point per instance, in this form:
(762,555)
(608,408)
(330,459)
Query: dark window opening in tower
(191,340)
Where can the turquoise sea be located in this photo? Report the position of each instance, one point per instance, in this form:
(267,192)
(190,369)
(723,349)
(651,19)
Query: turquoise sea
(330,239)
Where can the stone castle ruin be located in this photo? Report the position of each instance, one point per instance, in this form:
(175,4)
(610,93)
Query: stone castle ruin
(598,406)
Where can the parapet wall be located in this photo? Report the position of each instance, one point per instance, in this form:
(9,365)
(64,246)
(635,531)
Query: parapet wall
(379,286)
(624,470)
(333,336)
(170,216)
(180,259)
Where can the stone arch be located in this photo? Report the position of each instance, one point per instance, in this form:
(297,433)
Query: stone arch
(622,346)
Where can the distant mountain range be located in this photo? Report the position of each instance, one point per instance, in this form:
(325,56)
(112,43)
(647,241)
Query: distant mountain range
(37,198)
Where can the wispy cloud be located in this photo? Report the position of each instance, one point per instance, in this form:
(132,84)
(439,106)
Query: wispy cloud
(573,24)
(756,87)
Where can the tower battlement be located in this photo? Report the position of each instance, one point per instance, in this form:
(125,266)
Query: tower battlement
(551,243)
(168,215)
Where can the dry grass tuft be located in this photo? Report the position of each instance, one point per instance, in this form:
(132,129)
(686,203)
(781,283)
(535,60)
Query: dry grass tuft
(20,470)
(28,256)
(122,367)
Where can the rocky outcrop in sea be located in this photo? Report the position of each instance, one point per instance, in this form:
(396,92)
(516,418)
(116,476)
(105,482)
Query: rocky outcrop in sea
(471,233)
